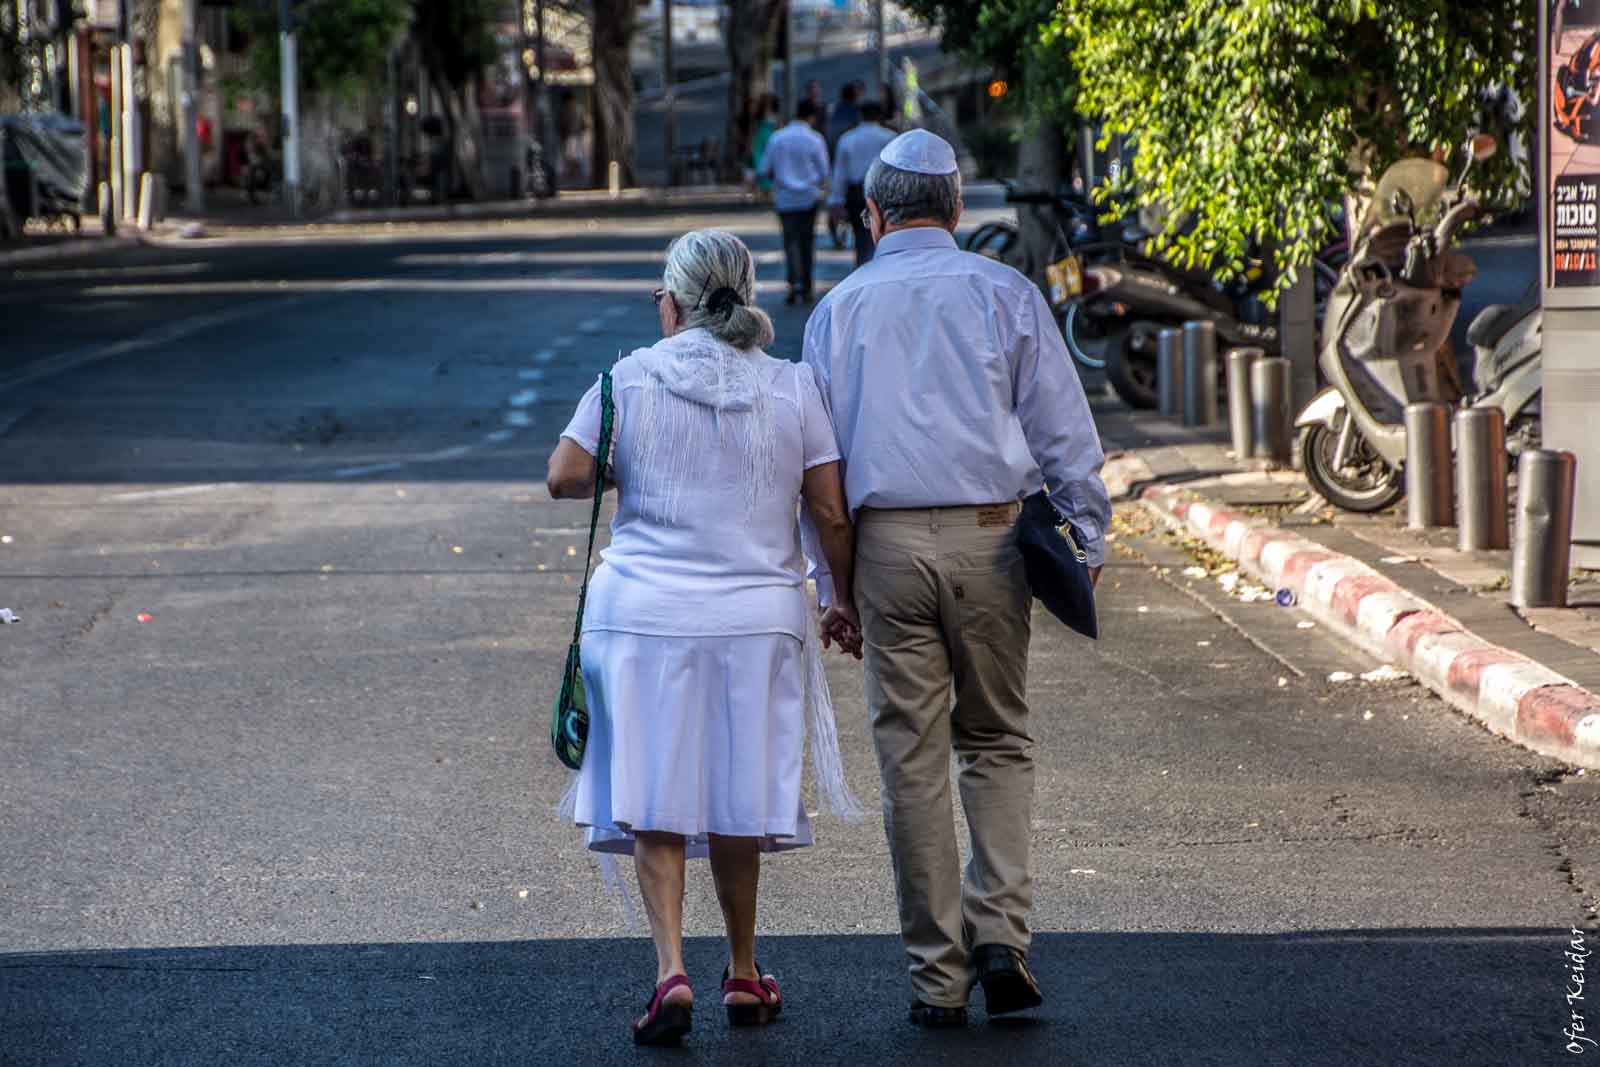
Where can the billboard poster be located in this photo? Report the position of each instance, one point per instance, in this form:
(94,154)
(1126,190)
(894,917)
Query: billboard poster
(1573,163)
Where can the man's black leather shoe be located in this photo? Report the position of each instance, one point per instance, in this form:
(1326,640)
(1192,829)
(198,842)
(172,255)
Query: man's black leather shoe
(1008,985)
(933,1017)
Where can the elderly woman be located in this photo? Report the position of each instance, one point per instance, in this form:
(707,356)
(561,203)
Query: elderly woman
(699,658)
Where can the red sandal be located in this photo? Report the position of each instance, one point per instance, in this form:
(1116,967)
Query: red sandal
(770,1002)
(663,1023)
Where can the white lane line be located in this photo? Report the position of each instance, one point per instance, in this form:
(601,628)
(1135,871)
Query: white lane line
(591,325)
(111,272)
(371,468)
(499,437)
(158,494)
(9,417)
(518,419)
(445,453)
(524,398)
(161,335)
(564,342)
(616,311)
(531,374)
(545,355)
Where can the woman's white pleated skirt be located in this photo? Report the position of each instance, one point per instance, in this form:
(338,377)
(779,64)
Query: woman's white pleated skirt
(693,736)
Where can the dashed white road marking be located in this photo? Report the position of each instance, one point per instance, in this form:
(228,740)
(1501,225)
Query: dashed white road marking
(591,325)
(371,468)
(564,342)
(454,452)
(184,490)
(616,311)
(499,437)
(531,374)
(544,355)
(524,398)
(518,418)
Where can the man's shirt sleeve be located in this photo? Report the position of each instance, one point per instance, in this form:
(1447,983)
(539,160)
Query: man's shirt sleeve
(810,542)
(1057,423)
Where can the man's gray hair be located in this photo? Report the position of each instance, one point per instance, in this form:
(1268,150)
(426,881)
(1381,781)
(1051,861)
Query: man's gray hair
(906,196)
(703,261)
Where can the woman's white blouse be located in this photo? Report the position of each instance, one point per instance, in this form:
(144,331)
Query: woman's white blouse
(710,447)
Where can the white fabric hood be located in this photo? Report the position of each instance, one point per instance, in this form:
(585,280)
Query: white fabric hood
(699,368)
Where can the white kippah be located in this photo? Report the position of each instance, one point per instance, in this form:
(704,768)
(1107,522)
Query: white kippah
(920,152)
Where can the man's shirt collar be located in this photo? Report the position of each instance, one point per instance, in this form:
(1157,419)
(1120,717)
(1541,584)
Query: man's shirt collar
(917,237)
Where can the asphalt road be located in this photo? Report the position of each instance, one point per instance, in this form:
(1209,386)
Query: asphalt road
(275,784)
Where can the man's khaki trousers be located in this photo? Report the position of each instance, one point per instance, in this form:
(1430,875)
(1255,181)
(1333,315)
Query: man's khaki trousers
(945,612)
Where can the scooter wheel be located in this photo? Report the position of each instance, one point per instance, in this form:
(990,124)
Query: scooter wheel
(1368,484)
(1132,373)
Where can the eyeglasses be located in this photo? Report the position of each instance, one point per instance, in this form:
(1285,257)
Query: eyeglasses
(866,218)
(656,296)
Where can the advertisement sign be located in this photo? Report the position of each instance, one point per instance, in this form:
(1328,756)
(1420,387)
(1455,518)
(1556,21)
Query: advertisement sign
(1573,139)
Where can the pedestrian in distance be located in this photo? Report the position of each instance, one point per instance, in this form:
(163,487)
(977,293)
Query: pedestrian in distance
(797,162)
(954,398)
(701,665)
(766,126)
(847,193)
(819,114)
(844,117)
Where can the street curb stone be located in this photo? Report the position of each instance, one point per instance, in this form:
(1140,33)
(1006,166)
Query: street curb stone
(1511,695)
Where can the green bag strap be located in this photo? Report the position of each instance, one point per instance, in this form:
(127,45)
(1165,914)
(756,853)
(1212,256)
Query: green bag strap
(608,415)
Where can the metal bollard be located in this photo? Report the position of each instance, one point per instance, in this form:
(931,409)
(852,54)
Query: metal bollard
(1481,479)
(1169,372)
(1541,559)
(108,210)
(1241,416)
(1271,420)
(147,200)
(1430,490)
(1200,374)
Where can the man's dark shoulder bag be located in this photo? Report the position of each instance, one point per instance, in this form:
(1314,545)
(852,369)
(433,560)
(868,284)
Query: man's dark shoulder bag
(1058,570)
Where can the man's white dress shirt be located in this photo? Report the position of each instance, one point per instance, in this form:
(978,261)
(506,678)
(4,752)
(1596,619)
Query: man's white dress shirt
(857,149)
(949,384)
(796,160)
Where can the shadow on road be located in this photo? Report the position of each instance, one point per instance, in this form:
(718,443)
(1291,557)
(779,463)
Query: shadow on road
(1457,996)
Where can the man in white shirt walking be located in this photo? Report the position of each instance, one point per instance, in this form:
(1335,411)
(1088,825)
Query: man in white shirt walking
(797,162)
(847,195)
(953,398)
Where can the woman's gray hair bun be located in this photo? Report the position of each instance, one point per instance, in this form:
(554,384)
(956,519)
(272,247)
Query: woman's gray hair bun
(712,276)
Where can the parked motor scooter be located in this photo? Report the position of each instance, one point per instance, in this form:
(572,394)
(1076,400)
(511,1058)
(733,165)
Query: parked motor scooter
(1385,331)
(1508,372)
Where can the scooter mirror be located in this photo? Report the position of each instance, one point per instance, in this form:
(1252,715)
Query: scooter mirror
(1484,146)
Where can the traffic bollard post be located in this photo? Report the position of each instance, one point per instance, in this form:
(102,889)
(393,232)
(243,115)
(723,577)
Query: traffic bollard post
(1169,372)
(1541,558)
(1271,420)
(1481,479)
(1200,374)
(1430,489)
(1241,415)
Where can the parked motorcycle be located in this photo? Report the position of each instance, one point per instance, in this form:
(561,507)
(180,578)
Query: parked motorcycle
(1384,340)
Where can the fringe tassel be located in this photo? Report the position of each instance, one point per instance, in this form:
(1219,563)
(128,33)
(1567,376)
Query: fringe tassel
(567,807)
(833,792)
(613,881)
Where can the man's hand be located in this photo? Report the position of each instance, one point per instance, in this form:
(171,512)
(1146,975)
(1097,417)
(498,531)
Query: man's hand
(840,623)
(1094,576)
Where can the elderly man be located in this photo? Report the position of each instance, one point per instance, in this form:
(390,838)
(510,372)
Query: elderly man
(953,398)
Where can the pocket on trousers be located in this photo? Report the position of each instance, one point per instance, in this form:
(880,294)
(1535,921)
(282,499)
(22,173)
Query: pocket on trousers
(994,606)
(873,551)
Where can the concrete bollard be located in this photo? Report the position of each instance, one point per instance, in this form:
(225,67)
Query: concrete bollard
(147,200)
(1541,559)
(108,209)
(1481,479)
(1271,417)
(614,178)
(1200,374)
(1169,372)
(1241,416)
(1430,490)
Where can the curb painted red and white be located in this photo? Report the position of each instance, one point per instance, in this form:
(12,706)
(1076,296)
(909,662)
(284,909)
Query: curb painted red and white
(1509,693)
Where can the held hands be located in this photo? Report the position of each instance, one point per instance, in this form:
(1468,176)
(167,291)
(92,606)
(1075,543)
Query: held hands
(841,624)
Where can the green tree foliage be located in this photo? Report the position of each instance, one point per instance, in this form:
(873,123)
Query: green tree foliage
(340,44)
(1004,34)
(1254,115)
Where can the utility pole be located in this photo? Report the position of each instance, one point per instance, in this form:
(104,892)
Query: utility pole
(547,145)
(129,119)
(669,79)
(789,93)
(194,194)
(288,75)
(883,46)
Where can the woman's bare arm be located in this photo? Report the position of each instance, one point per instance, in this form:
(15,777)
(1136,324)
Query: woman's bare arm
(571,472)
(823,492)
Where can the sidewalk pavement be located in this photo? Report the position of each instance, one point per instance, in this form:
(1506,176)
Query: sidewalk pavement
(1408,597)
(229,215)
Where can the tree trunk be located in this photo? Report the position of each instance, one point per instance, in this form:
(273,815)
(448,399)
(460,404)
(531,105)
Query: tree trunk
(614,22)
(752,36)
(1042,163)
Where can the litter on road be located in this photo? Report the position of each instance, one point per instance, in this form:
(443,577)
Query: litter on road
(1385,673)
(1305,624)
(1341,676)
(145,617)
(7,616)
